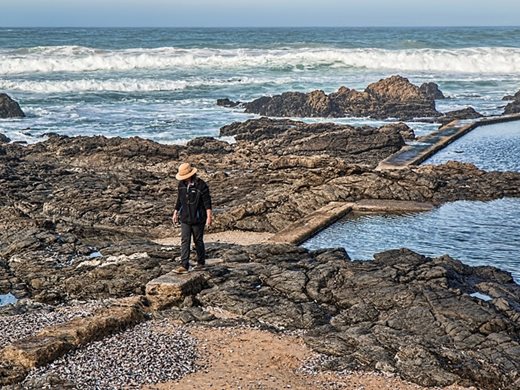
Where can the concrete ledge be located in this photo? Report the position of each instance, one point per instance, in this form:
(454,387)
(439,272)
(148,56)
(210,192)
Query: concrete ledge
(308,226)
(53,342)
(427,146)
(391,206)
(311,224)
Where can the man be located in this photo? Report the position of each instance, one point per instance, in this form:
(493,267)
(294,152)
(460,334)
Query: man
(193,210)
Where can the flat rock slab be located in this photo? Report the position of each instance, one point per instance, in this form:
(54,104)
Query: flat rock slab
(170,289)
(311,224)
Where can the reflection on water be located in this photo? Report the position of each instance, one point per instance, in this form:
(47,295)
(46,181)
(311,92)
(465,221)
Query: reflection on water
(477,233)
(492,148)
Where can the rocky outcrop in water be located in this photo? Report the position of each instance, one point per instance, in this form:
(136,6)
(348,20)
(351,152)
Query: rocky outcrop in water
(9,108)
(514,106)
(432,91)
(225,102)
(465,113)
(394,97)
(4,139)
(287,137)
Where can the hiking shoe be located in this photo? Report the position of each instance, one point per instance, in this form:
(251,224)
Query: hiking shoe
(180,270)
(199,267)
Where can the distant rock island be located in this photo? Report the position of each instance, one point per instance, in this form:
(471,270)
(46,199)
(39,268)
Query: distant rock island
(9,108)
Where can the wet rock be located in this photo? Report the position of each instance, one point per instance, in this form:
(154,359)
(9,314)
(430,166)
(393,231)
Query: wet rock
(432,91)
(4,139)
(465,113)
(514,106)
(312,104)
(227,103)
(207,145)
(394,97)
(9,108)
(286,137)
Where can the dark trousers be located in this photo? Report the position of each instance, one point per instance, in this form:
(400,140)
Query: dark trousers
(198,233)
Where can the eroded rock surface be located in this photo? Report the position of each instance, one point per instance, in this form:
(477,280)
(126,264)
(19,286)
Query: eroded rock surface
(9,108)
(401,313)
(277,172)
(394,97)
(75,214)
(514,106)
(465,113)
(432,90)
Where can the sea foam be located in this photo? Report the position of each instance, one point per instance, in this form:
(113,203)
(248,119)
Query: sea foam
(129,84)
(499,60)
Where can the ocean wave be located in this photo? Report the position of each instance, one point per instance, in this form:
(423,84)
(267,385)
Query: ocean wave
(126,84)
(45,59)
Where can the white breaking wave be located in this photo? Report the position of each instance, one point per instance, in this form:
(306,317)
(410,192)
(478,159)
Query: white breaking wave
(125,84)
(498,60)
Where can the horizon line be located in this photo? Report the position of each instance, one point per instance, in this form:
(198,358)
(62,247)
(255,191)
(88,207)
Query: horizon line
(274,27)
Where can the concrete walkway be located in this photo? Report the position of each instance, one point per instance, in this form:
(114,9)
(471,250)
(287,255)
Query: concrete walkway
(427,146)
(303,229)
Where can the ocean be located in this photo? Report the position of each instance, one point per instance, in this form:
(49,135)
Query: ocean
(162,83)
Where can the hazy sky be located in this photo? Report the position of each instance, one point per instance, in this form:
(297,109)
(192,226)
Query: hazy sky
(223,13)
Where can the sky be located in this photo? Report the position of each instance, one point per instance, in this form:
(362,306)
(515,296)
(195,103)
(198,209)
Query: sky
(258,13)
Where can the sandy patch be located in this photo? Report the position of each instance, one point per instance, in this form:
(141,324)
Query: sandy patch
(238,358)
(229,236)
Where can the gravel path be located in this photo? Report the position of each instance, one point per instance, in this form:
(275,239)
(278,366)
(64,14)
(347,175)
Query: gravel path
(149,353)
(15,327)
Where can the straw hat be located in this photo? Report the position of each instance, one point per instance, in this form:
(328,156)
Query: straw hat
(185,171)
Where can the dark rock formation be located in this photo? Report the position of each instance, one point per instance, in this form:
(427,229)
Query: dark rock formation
(432,91)
(514,106)
(9,108)
(287,137)
(4,139)
(465,113)
(394,97)
(227,103)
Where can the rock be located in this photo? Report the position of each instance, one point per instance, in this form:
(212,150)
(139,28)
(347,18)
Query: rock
(9,108)
(75,214)
(313,104)
(4,139)
(402,312)
(406,131)
(171,289)
(514,106)
(207,145)
(432,91)
(394,97)
(465,113)
(286,137)
(227,103)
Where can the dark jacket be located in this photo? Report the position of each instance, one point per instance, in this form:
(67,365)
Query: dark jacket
(193,202)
